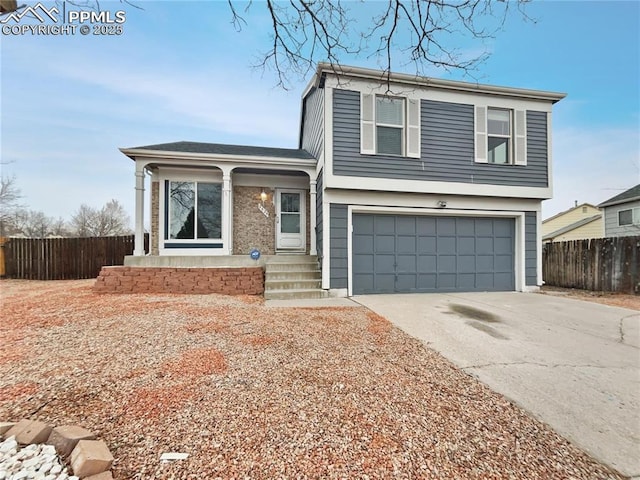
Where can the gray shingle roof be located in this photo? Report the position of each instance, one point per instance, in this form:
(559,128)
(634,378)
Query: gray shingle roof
(632,193)
(224,149)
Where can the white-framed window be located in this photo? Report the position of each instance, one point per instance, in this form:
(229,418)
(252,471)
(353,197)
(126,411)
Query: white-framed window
(500,135)
(390,118)
(629,216)
(389,125)
(194,210)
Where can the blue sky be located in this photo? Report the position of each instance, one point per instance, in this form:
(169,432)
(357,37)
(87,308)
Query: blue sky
(180,71)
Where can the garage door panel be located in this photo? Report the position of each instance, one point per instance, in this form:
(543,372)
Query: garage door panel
(484,227)
(427,263)
(385,283)
(484,263)
(384,224)
(445,226)
(484,246)
(406,283)
(427,245)
(464,227)
(503,245)
(398,253)
(363,224)
(446,245)
(407,244)
(466,246)
(503,263)
(466,263)
(406,263)
(427,282)
(467,281)
(425,225)
(362,243)
(446,264)
(406,226)
(363,263)
(447,281)
(385,244)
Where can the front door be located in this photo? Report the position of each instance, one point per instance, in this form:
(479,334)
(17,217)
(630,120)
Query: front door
(290,228)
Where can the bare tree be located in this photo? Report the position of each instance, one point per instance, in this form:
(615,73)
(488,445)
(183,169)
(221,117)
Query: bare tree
(111,219)
(9,203)
(398,34)
(32,224)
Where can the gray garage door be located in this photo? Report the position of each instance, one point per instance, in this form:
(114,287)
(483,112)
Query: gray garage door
(403,253)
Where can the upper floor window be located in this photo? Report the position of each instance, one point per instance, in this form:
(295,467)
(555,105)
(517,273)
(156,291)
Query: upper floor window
(629,216)
(390,125)
(195,210)
(499,136)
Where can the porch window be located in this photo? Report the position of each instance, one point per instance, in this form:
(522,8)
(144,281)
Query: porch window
(195,210)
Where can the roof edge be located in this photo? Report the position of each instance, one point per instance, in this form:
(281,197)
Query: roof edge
(569,210)
(573,226)
(372,74)
(618,202)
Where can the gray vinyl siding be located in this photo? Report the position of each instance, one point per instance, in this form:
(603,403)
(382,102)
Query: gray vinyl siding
(318,225)
(313,122)
(530,248)
(447,147)
(611,227)
(338,233)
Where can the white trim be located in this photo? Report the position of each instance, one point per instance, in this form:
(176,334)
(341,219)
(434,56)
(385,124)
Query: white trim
(270,181)
(312,217)
(138,242)
(199,158)
(303,220)
(421,186)
(539,280)
(326,241)
(549,156)
(376,77)
(519,253)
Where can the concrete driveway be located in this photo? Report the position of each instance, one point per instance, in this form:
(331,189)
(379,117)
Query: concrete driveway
(574,365)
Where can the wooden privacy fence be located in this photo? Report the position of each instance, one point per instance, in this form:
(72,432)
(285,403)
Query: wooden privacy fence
(63,258)
(601,264)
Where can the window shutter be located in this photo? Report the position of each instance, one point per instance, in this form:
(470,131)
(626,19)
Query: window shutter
(367,125)
(520,137)
(413,128)
(481,134)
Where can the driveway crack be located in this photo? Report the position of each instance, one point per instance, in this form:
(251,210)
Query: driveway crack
(621,326)
(537,364)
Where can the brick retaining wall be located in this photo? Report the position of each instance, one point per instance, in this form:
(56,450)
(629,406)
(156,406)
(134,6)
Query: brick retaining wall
(226,280)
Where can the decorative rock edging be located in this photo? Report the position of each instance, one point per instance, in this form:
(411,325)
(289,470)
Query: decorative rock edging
(45,448)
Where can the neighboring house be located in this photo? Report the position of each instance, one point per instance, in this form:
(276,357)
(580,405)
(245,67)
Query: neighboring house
(622,214)
(578,223)
(416,185)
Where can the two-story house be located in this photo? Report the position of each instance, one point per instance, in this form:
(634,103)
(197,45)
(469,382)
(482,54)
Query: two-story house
(410,184)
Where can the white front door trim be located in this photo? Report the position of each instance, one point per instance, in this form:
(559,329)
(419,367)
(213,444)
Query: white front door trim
(291,241)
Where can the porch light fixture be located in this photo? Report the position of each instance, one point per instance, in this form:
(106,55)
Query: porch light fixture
(442,203)
(263,196)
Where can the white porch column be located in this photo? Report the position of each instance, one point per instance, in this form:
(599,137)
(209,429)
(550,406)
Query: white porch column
(227,212)
(138,244)
(312,213)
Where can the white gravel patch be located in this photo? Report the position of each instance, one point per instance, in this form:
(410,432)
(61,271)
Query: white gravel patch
(37,462)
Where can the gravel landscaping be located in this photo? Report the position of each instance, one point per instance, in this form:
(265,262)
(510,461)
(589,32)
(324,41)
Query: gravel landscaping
(258,392)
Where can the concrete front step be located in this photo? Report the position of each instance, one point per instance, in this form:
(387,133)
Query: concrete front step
(292,284)
(294,294)
(279,259)
(292,275)
(291,267)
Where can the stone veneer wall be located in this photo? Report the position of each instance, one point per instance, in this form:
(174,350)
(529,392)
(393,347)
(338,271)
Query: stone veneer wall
(155,220)
(251,229)
(226,280)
